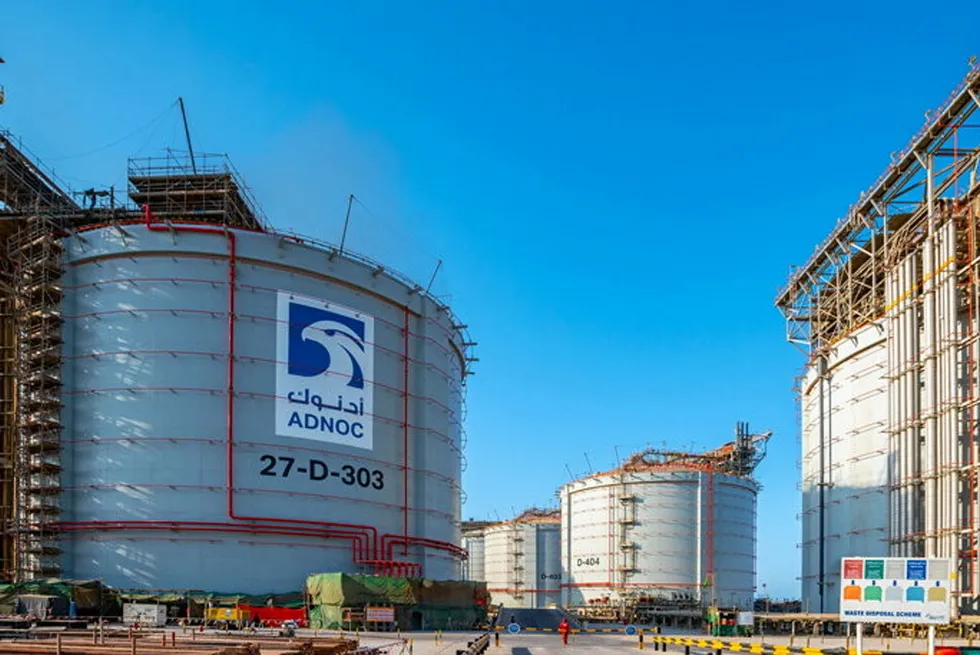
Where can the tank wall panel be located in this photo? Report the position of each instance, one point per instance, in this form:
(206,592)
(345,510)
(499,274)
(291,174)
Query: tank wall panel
(844,438)
(523,564)
(473,567)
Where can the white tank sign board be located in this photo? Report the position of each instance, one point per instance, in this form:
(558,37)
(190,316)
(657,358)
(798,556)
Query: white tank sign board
(895,590)
(324,372)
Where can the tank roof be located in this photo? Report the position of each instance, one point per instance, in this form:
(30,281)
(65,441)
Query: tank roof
(534,516)
(738,457)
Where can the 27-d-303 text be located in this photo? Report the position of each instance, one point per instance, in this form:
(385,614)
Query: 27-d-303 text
(317,470)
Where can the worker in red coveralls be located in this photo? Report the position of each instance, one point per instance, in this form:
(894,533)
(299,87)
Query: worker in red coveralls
(563,630)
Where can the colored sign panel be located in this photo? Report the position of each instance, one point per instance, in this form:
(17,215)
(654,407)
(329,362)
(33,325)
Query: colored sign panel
(895,590)
(379,614)
(915,569)
(853,568)
(874,569)
(324,372)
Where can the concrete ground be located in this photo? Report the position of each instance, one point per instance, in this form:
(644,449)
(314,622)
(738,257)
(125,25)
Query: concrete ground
(522,644)
(424,643)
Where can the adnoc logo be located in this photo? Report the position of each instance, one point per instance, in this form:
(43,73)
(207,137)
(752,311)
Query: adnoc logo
(324,371)
(323,342)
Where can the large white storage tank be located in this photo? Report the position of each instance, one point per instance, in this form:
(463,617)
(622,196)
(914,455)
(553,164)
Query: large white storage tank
(523,560)
(234,397)
(845,465)
(675,527)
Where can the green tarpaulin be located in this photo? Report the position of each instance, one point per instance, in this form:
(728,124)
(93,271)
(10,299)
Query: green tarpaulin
(418,603)
(91,596)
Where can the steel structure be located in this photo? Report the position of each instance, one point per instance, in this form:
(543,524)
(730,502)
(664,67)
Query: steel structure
(137,337)
(887,310)
(665,532)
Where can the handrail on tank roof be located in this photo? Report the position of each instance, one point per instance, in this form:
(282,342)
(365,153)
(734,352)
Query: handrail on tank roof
(373,263)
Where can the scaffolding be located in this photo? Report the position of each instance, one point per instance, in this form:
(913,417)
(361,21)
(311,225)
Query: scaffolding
(738,457)
(36,213)
(202,188)
(35,253)
(904,260)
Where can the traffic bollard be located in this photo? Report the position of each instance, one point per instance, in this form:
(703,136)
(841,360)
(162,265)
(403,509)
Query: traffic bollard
(173,640)
(496,638)
(57,644)
(639,644)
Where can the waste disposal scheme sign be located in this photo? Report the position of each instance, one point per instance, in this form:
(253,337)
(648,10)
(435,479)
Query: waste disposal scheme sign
(895,590)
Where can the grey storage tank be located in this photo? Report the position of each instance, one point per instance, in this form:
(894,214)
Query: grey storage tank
(242,408)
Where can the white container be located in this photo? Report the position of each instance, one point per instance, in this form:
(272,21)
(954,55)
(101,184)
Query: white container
(147,615)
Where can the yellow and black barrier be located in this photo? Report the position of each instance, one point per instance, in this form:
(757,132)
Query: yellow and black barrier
(716,645)
(753,647)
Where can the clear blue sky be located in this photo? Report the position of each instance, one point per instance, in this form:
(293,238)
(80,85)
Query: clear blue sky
(617,188)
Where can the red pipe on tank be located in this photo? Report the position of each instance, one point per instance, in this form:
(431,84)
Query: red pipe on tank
(389,540)
(217,526)
(203,526)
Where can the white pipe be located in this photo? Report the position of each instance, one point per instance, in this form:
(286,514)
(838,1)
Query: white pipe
(913,393)
(929,383)
(894,451)
(905,407)
(952,478)
(910,389)
(938,370)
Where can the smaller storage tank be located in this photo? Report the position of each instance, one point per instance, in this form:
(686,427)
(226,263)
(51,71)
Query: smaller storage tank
(474,535)
(523,560)
(665,527)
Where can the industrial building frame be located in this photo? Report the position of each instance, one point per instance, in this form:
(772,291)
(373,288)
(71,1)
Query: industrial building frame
(906,259)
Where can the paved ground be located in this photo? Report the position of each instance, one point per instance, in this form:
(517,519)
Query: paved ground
(524,644)
(538,618)
(550,644)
